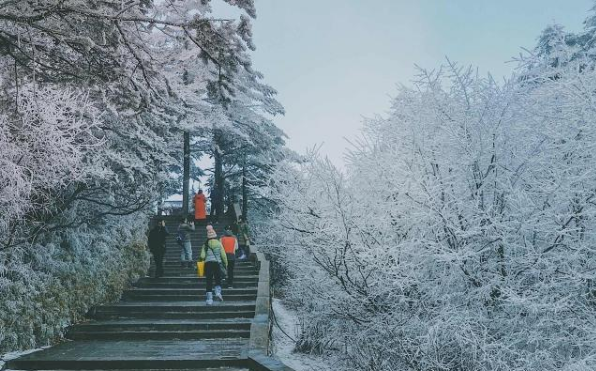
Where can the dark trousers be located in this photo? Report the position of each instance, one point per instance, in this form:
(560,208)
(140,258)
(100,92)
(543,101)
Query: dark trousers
(214,215)
(246,250)
(231,264)
(212,271)
(158,259)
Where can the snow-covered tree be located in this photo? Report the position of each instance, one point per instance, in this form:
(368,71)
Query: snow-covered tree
(147,67)
(94,98)
(461,235)
(245,140)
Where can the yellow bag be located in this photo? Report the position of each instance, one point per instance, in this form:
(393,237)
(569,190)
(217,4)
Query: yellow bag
(201,269)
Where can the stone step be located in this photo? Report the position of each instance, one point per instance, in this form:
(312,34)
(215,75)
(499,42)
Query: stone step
(241,271)
(159,335)
(199,282)
(223,221)
(172,257)
(239,263)
(192,274)
(160,369)
(134,296)
(200,233)
(195,242)
(195,238)
(197,279)
(138,355)
(192,291)
(192,271)
(173,254)
(187,285)
(173,260)
(227,314)
(181,306)
(200,230)
(176,272)
(175,263)
(173,247)
(165,325)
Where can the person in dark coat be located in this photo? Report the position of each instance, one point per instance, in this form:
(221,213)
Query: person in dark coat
(214,196)
(157,246)
(243,239)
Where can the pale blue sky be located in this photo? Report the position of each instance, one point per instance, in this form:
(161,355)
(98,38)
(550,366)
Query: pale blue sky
(335,61)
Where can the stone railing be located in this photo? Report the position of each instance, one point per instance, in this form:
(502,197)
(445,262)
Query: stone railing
(259,355)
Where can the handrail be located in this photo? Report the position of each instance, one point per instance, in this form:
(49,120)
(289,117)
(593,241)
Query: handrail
(259,353)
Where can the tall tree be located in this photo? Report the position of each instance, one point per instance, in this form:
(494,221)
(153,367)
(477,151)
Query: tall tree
(246,127)
(146,66)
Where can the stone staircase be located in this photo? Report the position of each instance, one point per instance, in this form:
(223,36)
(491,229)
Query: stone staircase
(164,324)
(198,237)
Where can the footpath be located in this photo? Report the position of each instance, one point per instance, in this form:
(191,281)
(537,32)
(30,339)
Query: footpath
(164,324)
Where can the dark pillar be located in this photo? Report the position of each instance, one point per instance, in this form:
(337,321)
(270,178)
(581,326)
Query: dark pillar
(219,177)
(186,176)
(244,191)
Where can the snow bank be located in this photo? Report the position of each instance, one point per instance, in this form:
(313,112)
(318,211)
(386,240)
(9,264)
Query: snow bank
(5,358)
(286,325)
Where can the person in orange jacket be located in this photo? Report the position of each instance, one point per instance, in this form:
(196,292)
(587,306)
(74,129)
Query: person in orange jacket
(199,201)
(230,245)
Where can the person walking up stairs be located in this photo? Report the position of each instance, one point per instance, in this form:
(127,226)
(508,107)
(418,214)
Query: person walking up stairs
(157,245)
(230,245)
(216,262)
(184,240)
(199,201)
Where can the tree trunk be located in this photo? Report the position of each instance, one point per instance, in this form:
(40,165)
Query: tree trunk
(218,177)
(244,191)
(186,175)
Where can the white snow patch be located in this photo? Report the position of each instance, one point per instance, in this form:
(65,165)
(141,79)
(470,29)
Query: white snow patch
(283,346)
(4,358)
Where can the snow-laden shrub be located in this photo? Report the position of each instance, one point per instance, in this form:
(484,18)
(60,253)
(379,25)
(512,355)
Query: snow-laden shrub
(71,229)
(43,142)
(53,282)
(461,236)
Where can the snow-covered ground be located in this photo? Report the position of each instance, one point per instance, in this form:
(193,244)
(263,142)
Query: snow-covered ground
(4,358)
(283,346)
